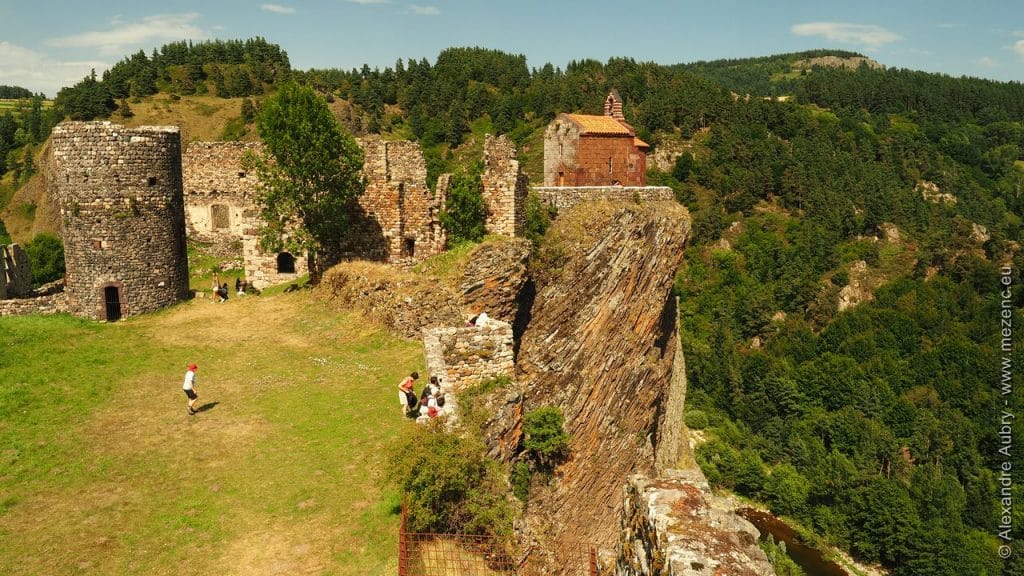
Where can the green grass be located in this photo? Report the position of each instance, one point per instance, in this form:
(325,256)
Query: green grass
(102,471)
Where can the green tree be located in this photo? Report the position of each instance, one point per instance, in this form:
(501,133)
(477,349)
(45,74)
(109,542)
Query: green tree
(46,255)
(311,176)
(465,214)
(546,441)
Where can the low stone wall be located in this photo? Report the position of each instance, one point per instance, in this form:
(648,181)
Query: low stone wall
(464,356)
(674,525)
(564,197)
(50,304)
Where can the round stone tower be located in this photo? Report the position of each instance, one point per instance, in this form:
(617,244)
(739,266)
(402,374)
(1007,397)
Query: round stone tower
(123,215)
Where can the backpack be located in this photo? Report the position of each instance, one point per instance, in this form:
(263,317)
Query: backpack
(440,400)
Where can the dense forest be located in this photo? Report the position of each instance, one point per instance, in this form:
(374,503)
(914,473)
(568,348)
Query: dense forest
(875,427)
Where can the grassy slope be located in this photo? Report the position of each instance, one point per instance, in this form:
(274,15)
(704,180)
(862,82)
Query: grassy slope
(102,471)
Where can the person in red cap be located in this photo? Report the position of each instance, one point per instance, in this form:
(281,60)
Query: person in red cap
(190,388)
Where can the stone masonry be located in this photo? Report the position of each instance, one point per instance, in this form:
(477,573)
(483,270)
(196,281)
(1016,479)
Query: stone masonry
(398,217)
(220,201)
(564,198)
(15,272)
(123,217)
(467,355)
(504,187)
(220,207)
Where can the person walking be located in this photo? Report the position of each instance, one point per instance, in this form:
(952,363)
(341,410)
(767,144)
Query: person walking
(190,388)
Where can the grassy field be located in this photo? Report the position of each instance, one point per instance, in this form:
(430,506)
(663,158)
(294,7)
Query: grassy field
(103,472)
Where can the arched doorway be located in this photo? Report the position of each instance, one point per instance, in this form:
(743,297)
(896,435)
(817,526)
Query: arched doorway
(285,263)
(112,303)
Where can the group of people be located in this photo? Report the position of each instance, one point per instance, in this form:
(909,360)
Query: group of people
(220,291)
(429,404)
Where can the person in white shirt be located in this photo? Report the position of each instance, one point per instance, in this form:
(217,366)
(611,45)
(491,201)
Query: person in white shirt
(190,388)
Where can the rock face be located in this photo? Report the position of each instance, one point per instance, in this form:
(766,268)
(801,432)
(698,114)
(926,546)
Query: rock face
(494,278)
(674,525)
(602,345)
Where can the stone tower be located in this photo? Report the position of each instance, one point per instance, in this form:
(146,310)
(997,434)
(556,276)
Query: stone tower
(123,217)
(504,187)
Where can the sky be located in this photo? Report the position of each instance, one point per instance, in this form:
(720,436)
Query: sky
(49,44)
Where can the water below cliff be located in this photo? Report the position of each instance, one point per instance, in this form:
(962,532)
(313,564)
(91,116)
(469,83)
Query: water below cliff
(811,560)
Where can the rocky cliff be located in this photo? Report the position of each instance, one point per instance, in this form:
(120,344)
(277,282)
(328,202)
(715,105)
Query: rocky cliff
(601,344)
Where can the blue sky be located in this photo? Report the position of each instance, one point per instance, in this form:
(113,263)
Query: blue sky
(47,44)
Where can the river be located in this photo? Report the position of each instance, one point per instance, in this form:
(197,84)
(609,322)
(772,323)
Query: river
(809,559)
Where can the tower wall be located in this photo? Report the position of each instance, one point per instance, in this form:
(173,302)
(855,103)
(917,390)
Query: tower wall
(122,213)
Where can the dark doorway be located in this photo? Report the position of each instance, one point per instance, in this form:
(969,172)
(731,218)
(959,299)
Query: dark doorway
(285,263)
(112,303)
(410,247)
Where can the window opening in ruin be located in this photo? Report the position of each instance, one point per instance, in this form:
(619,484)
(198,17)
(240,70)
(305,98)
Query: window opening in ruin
(220,215)
(561,178)
(152,181)
(285,263)
(609,164)
(241,174)
(112,303)
(410,247)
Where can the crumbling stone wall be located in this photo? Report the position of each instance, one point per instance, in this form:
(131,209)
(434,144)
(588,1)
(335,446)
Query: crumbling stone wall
(220,203)
(48,304)
(504,187)
(564,198)
(674,525)
(397,217)
(466,355)
(123,218)
(15,272)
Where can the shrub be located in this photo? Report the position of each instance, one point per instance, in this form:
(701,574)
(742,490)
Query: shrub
(546,443)
(696,420)
(538,218)
(520,480)
(450,484)
(46,255)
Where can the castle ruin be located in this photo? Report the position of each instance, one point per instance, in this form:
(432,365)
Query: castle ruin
(122,215)
(15,272)
(220,208)
(504,187)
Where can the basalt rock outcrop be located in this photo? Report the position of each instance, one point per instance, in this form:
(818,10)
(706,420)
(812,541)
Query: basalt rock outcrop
(602,345)
(494,278)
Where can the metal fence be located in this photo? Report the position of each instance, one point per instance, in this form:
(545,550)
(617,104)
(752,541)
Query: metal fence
(422,554)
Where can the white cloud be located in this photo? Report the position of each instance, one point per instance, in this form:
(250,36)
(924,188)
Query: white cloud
(987,62)
(424,10)
(867,35)
(20,66)
(1019,48)
(277,9)
(124,35)
(945,25)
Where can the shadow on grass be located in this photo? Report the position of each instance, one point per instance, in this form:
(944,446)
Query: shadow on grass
(207,406)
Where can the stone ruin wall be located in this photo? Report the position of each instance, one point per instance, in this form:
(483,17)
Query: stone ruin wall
(504,187)
(15,272)
(563,198)
(220,203)
(467,355)
(398,217)
(123,218)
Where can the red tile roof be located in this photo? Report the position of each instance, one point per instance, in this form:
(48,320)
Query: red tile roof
(640,143)
(598,124)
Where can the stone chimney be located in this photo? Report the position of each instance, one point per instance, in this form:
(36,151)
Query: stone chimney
(613,106)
